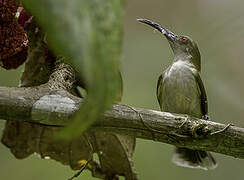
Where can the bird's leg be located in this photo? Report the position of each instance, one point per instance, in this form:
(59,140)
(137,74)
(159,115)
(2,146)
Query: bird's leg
(222,130)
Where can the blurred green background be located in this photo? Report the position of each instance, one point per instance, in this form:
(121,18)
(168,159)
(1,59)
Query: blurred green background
(218,28)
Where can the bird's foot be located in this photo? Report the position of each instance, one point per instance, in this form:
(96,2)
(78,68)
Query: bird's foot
(222,130)
(206,117)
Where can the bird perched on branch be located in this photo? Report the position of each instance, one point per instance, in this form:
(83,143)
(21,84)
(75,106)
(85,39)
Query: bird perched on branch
(181,90)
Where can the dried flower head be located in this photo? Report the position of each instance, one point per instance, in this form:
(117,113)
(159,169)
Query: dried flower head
(8,9)
(13,38)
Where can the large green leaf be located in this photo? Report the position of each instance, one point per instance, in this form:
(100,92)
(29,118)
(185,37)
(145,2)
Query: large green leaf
(88,33)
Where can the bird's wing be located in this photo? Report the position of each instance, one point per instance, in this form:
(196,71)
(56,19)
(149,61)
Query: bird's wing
(204,102)
(159,90)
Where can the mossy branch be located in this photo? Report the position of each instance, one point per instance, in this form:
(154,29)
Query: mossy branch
(55,108)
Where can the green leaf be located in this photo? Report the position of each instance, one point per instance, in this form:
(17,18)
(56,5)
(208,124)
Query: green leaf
(89,34)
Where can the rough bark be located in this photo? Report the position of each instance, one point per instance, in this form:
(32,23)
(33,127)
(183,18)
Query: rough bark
(55,108)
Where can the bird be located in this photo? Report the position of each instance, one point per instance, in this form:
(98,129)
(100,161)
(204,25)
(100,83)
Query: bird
(180,90)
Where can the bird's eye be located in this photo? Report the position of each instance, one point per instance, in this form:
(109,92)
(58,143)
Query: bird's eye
(184,40)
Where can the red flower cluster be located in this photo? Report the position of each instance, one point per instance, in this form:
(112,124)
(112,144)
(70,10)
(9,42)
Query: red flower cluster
(13,38)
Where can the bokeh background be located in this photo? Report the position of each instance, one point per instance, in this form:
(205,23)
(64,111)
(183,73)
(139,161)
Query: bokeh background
(218,28)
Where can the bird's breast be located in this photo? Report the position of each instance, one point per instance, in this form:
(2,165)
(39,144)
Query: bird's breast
(180,91)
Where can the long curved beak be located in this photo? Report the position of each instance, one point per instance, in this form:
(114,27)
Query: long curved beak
(167,33)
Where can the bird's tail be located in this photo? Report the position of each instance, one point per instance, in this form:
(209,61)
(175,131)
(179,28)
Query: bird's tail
(194,159)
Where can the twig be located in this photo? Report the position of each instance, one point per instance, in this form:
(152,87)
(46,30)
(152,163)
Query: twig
(83,167)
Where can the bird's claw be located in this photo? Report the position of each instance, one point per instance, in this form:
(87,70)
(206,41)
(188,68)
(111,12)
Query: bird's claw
(206,117)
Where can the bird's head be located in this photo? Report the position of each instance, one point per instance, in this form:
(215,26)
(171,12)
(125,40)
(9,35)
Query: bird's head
(184,47)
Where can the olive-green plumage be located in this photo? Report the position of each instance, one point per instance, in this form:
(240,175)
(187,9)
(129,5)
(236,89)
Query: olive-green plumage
(180,90)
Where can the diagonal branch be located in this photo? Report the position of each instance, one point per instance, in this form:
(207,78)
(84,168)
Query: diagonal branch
(41,105)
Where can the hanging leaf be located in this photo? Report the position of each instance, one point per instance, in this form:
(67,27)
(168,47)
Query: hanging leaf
(114,151)
(88,33)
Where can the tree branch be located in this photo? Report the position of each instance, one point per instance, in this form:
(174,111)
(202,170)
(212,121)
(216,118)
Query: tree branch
(44,106)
